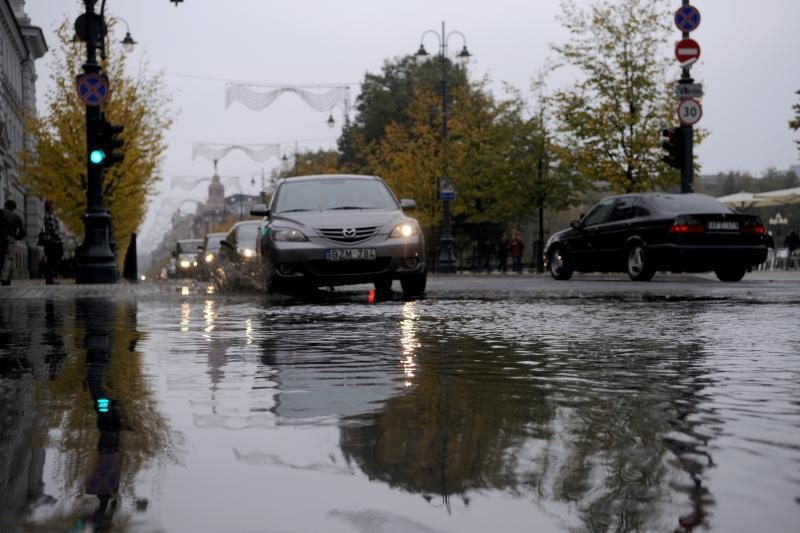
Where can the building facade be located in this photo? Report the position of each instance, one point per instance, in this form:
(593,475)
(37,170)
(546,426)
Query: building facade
(21,44)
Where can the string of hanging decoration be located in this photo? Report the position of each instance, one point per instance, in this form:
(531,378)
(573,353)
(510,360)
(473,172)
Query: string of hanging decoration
(259,99)
(188,183)
(256,152)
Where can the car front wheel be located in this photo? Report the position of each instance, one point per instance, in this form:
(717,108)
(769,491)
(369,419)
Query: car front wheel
(560,265)
(638,266)
(730,273)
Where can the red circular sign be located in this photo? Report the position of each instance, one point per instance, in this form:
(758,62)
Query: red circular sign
(686,50)
(690,111)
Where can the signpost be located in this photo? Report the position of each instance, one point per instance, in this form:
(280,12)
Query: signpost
(93,88)
(690,112)
(687,50)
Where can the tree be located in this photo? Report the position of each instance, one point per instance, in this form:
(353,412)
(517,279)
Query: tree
(608,123)
(56,167)
(795,123)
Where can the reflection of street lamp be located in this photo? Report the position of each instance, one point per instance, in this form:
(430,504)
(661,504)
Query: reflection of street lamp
(446,193)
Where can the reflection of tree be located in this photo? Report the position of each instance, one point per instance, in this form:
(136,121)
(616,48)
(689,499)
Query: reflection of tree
(610,426)
(456,429)
(104,421)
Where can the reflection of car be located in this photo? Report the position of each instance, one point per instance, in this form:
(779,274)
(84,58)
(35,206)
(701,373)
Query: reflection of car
(644,233)
(338,230)
(210,254)
(187,254)
(237,254)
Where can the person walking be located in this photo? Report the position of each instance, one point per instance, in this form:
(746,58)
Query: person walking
(515,248)
(50,238)
(502,254)
(12,229)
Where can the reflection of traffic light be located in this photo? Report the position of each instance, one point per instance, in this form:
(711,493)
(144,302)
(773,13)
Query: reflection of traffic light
(103,404)
(672,143)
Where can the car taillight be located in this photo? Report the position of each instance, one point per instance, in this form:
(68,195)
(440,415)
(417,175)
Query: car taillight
(682,226)
(754,229)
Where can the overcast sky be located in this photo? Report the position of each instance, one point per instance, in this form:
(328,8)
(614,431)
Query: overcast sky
(750,68)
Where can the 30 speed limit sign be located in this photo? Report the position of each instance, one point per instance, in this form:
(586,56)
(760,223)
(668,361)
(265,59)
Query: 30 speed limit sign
(689,111)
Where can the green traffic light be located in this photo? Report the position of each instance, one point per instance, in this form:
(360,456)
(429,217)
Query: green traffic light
(97,156)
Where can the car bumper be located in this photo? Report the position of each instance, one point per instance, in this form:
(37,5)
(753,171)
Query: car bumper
(306,261)
(693,258)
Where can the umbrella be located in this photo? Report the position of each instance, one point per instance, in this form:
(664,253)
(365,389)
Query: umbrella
(746,200)
(782,197)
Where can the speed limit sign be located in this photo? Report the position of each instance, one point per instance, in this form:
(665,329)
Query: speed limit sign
(689,111)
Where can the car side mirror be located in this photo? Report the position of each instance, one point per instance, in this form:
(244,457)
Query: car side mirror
(259,210)
(576,224)
(408,204)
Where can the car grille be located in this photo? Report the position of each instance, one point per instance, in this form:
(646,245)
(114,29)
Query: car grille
(337,268)
(337,235)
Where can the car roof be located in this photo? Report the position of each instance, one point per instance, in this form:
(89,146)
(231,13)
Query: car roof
(317,177)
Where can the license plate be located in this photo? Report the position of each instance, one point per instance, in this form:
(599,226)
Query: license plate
(725,226)
(350,254)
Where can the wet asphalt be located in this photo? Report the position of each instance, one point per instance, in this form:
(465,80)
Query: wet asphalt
(508,403)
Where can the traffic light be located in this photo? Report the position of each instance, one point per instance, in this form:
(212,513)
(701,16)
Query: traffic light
(111,143)
(104,143)
(672,143)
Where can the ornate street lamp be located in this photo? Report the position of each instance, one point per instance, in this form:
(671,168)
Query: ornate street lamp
(446,262)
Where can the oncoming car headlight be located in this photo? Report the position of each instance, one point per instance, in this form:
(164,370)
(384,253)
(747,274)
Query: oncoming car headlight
(185,264)
(247,252)
(209,257)
(287,234)
(406,229)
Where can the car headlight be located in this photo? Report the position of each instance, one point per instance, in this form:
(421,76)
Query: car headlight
(194,263)
(209,257)
(406,229)
(247,252)
(291,235)
(185,264)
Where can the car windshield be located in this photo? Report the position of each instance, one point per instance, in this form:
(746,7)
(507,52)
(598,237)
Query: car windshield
(213,242)
(333,193)
(189,247)
(247,234)
(688,203)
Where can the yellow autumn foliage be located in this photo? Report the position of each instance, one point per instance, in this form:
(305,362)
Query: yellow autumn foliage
(56,168)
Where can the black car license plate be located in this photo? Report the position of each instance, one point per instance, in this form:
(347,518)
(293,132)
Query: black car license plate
(720,225)
(350,254)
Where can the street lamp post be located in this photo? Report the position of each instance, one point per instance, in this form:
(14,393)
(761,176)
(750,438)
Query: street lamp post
(95,262)
(285,158)
(446,262)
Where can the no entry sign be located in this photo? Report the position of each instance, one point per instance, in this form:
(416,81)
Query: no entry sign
(690,111)
(686,50)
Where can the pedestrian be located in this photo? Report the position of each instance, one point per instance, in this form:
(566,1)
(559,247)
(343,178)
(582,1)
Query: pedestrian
(50,238)
(515,248)
(12,229)
(502,254)
(792,241)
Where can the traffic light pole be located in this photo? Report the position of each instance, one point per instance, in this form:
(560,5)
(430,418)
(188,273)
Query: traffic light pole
(94,260)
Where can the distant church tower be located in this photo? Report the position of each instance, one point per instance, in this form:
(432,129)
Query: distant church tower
(216,192)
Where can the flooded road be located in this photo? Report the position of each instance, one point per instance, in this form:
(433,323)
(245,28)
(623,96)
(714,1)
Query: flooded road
(440,415)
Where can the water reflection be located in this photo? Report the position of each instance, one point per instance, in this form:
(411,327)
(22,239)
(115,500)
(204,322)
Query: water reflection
(99,425)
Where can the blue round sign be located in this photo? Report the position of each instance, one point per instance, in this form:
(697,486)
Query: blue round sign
(93,89)
(687,18)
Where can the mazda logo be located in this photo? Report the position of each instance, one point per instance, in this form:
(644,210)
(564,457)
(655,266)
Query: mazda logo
(349,232)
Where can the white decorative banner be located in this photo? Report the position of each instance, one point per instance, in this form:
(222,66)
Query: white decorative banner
(261,100)
(256,152)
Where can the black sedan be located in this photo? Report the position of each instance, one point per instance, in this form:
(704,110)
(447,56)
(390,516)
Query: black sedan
(642,234)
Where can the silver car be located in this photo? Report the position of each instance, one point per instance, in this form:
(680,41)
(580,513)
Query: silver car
(337,230)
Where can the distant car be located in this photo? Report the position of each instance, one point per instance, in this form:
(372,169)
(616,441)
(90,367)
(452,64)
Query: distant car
(338,230)
(644,233)
(187,256)
(210,255)
(237,257)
